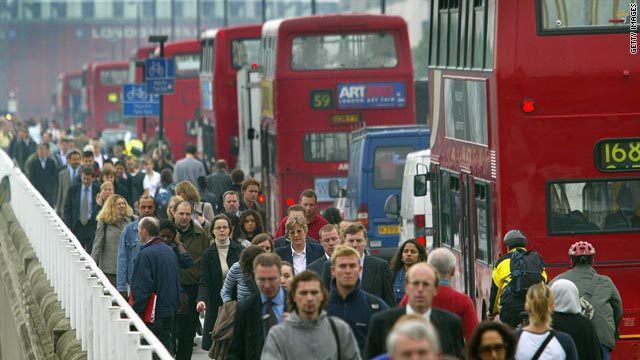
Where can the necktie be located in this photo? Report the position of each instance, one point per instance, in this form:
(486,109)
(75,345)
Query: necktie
(84,209)
(272,320)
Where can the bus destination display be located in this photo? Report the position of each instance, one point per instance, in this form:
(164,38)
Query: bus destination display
(618,155)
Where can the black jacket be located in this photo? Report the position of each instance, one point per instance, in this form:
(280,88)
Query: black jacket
(45,180)
(318,265)
(314,251)
(448,325)
(211,282)
(248,339)
(376,278)
(581,331)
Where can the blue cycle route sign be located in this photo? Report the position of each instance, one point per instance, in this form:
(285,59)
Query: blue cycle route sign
(159,75)
(136,101)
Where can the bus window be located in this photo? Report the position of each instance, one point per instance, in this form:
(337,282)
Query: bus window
(594,206)
(244,52)
(75,83)
(455,211)
(324,147)
(114,77)
(445,212)
(114,117)
(344,51)
(389,166)
(569,15)
(187,65)
(483,222)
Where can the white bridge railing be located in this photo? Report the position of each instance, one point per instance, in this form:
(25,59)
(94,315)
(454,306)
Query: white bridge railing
(105,324)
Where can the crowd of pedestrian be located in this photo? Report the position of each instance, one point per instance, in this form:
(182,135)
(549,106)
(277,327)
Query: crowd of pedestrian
(192,241)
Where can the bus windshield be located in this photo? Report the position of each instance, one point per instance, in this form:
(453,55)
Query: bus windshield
(326,147)
(244,52)
(594,15)
(187,65)
(114,77)
(344,51)
(75,83)
(594,206)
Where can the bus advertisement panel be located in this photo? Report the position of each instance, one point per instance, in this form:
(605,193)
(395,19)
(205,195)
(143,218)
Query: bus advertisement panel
(519,142)
(323,76)
(224,52)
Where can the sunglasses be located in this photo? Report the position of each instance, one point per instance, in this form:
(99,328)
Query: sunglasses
(488,349)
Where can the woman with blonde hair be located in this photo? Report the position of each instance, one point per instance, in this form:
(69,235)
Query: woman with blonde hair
(112,219)
(538,340)
(106,190)
(175,200)
(202,211)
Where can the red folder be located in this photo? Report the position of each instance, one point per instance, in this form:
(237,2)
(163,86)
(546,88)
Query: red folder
(149,314)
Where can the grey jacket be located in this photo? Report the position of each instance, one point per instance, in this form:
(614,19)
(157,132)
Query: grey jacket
(605,299)
(296,339)
(105,250)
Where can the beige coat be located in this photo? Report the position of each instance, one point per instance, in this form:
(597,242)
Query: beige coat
(105,249)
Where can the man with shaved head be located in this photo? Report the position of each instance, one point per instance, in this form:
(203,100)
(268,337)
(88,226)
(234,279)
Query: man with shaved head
(421,285)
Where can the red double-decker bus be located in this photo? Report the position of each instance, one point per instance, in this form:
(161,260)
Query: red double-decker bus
(224,51)
(101,88)
(181,109)
(68,99)
(322,76)
(535,127)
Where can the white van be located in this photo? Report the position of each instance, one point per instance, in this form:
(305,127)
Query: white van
(416,213)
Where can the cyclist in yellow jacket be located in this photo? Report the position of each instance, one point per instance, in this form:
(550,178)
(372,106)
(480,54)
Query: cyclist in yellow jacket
(513,273)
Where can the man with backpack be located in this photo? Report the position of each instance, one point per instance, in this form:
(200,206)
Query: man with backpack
(346,300)
(597,293)
(513,274)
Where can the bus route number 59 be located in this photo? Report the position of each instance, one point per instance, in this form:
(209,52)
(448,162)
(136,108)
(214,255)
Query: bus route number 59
(321,99)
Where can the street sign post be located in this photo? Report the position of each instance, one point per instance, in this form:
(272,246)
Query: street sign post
(136,101)
(159,75)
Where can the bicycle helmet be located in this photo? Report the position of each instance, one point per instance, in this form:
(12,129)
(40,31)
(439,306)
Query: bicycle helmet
(582,248)
(515,238)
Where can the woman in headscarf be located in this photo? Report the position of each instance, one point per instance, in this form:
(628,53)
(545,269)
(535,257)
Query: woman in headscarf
(567,318)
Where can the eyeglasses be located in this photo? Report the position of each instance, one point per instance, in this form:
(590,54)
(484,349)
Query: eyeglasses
(218,228)
(488,349)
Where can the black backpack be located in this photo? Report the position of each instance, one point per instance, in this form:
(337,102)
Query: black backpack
(526,270)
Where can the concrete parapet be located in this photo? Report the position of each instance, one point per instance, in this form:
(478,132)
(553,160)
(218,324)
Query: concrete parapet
(41,329)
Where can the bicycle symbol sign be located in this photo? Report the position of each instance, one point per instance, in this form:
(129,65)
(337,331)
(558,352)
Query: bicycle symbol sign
(159,75)
(136,101)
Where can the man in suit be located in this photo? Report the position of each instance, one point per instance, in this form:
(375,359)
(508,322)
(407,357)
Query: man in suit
(329,239)
(300,253)
(79,208)
(43,174)
(421,285)
(256,315)
(21,147)
(375,277)
(68,176)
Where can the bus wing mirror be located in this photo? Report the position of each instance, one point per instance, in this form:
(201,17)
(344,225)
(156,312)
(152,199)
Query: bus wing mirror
(420,184)
(392,207)
(334,189)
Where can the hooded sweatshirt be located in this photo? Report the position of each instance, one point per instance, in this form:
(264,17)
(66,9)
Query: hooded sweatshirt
(567,318)
(296,339)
